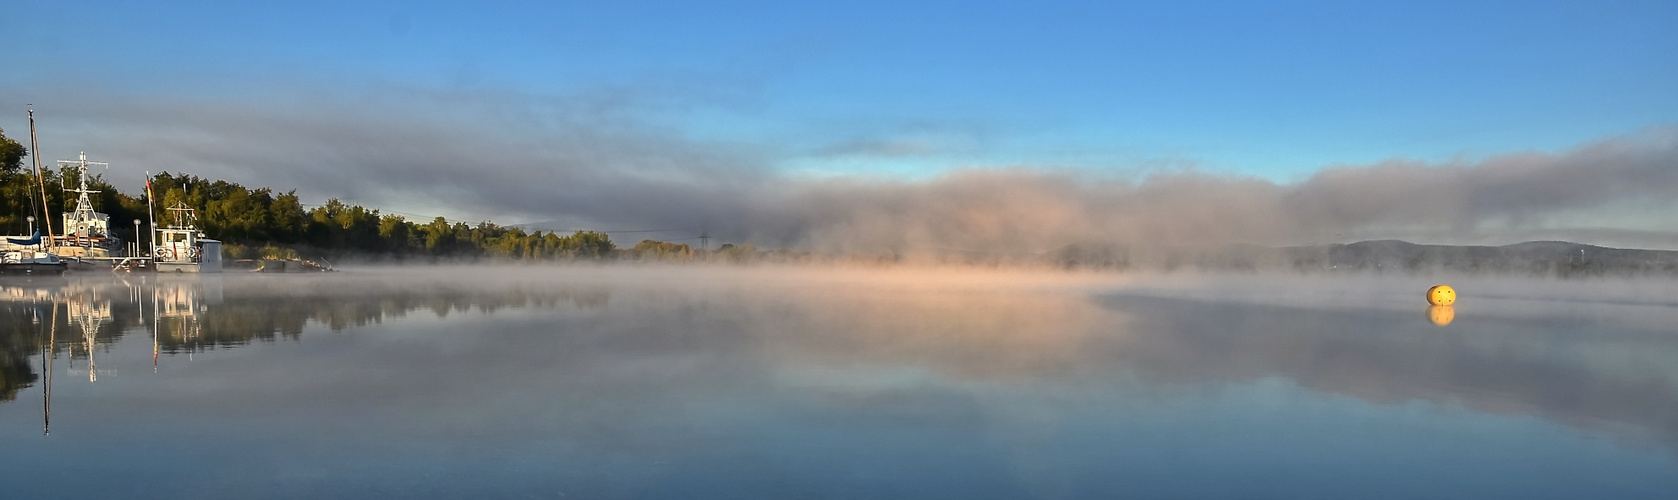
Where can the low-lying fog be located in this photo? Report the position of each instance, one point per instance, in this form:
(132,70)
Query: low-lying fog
(1483,294)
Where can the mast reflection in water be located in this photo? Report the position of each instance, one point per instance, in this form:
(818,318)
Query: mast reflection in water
(709,383)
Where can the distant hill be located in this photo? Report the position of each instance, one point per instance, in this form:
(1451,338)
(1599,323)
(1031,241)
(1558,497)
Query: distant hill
(1552,258)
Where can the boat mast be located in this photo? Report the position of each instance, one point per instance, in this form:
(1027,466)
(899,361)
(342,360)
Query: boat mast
(45,210)
(151,219)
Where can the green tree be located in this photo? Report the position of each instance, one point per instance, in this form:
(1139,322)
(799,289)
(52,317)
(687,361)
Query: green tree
(439,237)
(662,250)
(589,245)
(11,154)
(287,218)
(394,233)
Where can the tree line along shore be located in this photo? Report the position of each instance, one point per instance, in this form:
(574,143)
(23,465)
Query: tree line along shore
(258,223)
(261,223)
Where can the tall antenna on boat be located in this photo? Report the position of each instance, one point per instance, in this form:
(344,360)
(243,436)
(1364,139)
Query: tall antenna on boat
(84,216)
(81,165)
(33,148)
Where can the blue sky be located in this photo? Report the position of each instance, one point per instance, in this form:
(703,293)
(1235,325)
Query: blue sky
(1275,89)
(901,90)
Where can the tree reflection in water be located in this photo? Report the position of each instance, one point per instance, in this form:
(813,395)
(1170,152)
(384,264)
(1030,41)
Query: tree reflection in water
(185,315)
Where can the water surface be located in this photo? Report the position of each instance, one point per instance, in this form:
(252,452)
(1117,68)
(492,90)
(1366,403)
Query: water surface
(786,383)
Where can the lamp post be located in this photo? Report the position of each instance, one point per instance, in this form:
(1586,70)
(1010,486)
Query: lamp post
(136,239)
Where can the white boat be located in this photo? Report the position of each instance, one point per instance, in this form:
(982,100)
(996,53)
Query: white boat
(87,234)
(25,257)
(28,262)
(179,247)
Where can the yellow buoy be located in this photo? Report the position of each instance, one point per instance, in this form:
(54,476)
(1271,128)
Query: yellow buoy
(1441,315)
(1441,295)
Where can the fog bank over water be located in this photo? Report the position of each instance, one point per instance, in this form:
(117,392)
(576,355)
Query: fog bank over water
(1605,299)
(1024,210)
(597,161)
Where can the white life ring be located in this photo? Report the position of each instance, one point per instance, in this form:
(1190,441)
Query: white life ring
(191,252)
(165,253)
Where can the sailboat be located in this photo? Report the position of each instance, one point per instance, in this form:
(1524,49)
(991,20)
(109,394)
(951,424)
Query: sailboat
(29,255)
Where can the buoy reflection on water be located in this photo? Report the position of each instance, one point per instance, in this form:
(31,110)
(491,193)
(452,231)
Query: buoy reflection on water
(1441,315)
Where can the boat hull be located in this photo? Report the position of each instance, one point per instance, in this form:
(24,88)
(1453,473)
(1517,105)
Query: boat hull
(183,268)
(33,268)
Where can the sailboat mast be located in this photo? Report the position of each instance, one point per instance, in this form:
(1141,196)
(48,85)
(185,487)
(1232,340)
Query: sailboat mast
(42,181)
(151,220)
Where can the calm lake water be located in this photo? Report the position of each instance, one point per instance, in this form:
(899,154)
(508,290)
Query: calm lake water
(798,383)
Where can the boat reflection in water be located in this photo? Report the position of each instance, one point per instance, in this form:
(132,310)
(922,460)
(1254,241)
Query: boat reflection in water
(79,319)
(602,385)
